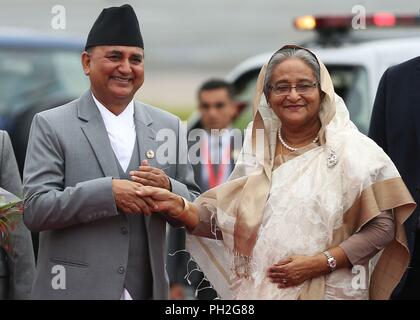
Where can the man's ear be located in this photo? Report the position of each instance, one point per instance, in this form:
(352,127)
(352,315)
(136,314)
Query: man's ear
(86,62)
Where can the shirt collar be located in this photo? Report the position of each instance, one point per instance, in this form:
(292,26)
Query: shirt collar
(127,114)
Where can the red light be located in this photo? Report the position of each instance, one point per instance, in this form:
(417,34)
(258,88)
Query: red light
(339,23)
(384,20)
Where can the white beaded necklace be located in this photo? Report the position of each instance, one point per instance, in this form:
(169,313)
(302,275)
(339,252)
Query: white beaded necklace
(289,147)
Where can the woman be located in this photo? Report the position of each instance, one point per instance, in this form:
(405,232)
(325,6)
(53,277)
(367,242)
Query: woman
(302,209)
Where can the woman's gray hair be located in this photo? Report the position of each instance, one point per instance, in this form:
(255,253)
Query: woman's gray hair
(288,53)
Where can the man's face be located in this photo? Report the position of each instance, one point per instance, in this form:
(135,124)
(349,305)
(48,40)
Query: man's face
(115,72)
(217,108)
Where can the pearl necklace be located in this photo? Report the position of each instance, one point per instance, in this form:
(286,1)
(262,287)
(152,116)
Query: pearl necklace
(289,147)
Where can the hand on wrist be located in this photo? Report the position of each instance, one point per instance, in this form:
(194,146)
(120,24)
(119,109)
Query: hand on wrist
(180,206)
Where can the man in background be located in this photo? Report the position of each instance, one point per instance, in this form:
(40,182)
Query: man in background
(217,110)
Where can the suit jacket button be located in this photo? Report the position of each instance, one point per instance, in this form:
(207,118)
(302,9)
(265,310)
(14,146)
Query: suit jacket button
(124,230)
(121,270)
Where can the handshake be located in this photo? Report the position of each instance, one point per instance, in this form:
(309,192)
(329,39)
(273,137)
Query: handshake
(148,191)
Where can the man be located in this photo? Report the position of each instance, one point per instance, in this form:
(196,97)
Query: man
(395,126)
(217,110)
(97,237)
(214,161)
(17,264)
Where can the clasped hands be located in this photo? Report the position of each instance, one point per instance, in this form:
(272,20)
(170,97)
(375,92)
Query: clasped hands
(128,194)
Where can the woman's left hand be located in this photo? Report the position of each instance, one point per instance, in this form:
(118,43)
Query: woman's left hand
(294,270)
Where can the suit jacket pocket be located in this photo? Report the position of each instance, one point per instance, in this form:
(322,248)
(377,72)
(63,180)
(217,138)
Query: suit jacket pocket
(70,263)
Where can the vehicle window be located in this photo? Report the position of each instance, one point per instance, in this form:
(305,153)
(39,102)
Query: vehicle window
(27,75)
(350,82)
(69,63)
(245,90)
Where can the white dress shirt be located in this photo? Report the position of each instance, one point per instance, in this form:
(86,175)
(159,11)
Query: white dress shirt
(122,135)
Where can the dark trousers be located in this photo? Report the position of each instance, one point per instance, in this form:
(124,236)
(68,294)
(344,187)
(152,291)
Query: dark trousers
(179,264)
(411,289)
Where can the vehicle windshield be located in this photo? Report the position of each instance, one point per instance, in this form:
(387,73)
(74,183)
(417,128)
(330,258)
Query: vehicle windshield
(350,82)
(29,75)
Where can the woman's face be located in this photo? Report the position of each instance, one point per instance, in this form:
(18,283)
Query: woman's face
(293,108)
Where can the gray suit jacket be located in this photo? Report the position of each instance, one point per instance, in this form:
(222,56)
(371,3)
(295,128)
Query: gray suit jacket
(17,267)
(68,198)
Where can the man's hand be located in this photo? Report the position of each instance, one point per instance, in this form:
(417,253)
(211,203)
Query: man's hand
(128,201)
(151,176)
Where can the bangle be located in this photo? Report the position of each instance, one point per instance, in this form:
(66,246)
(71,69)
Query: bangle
(186,207)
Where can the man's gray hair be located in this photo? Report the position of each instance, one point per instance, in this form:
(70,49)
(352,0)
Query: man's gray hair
(288,53)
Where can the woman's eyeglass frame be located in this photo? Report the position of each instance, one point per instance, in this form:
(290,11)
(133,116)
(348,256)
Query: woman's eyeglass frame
(300,88)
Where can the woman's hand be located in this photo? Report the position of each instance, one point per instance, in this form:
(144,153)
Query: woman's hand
(172,204)
(164,200)
(294,270)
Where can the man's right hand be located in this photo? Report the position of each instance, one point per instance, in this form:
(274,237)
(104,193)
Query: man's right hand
(128,201)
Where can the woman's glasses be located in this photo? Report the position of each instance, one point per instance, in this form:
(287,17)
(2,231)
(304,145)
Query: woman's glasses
(285,89)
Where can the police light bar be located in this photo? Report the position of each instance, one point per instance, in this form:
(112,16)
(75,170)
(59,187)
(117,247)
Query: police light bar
(377,20)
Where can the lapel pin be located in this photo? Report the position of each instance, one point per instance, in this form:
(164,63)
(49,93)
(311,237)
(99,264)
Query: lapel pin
(150,154)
